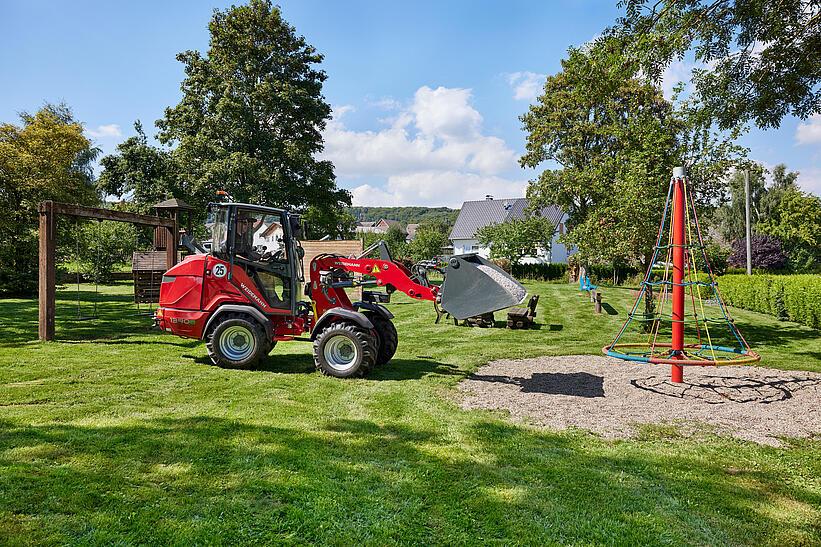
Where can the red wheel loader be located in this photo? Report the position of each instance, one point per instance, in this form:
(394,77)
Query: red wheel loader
(245,294)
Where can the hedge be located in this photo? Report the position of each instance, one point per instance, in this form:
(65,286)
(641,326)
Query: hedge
(793,297)
(539,272)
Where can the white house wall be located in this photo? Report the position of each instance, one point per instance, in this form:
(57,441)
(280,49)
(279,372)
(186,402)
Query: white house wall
(558,251)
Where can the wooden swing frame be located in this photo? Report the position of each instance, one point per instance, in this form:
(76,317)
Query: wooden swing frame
(49,211)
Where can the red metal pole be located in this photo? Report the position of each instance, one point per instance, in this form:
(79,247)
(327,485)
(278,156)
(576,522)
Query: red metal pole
(678,276)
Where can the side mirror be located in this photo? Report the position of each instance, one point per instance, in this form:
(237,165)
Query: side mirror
(301,252)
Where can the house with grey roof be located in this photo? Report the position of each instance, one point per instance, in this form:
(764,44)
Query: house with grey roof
(477,214)
(380,226)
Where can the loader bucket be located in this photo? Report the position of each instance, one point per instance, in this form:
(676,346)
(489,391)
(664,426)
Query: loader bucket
(474,286)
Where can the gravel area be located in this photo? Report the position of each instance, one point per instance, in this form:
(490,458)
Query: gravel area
(610,397)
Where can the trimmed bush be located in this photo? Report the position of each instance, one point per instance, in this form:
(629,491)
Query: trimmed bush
(793,297)
(539,272)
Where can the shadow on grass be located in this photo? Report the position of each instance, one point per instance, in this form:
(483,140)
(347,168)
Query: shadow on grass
(116,318)
(213,480)
(609,310)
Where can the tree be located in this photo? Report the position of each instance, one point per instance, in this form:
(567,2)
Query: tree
(760,60)
(797,223)
(102,246)
(428,242)
(783,181)
(616,140)
(731,218)
(766,253)
(143,171)
(516,238)
(46,157)
(249,122)
(395,238)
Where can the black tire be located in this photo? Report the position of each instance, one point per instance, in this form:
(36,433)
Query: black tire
(237,342)
(345,350)
(388,337)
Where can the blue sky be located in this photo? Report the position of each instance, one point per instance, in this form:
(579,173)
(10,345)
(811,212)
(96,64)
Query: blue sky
(426,94)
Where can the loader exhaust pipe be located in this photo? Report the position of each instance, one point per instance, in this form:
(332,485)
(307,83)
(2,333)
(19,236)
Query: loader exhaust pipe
(475,286)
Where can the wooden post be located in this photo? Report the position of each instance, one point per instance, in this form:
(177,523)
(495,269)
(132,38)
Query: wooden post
(47,276)
(598,302)
(171,247)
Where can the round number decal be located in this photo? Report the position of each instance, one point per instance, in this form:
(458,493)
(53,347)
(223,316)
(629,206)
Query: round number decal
(220,270)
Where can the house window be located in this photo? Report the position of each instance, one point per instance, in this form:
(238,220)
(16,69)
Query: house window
(474,247)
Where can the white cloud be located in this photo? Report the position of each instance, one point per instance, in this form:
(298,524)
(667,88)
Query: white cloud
(810,180)
(341,110)
(437,188)
(526,85)
(111,130)
(810,132)
(431,152)
(440,130)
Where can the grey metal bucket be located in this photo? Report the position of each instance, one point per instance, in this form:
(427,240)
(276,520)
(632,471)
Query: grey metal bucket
(474,286)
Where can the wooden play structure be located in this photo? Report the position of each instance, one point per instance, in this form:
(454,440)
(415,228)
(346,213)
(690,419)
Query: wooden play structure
(49,212)
(147,267)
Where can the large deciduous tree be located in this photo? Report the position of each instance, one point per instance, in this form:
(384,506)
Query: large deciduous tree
(759,60)
(615,140)
(46,157)
(249,122)
(797,223)
(143,171)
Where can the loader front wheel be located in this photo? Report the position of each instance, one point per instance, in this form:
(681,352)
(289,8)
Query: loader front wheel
(237,342)
(345,350)
(388,337)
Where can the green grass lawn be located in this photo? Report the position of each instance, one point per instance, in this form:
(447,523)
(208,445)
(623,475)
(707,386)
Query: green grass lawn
(119,434)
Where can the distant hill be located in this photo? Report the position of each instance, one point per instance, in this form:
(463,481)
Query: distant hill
(407,215)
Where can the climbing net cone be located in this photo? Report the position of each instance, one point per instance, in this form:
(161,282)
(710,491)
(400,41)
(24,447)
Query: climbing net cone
(673,282)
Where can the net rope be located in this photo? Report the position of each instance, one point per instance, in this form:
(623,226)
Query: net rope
(706,348)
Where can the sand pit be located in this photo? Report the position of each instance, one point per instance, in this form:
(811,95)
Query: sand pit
(610,397)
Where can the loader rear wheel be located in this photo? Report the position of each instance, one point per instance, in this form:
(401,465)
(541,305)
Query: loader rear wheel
(237,342)
(345,350)
(388,337)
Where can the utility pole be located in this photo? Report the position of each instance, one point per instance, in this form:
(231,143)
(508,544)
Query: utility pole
(748,229)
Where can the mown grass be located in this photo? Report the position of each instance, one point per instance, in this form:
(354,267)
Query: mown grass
(119,434)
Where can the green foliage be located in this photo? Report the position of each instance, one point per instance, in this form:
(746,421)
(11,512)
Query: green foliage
(760,59)
(394,237)
(717,256)
(102,246)
(793,297)
(616,140)
(427,243)
(797,223)
(517,238)
(539,272)
(142,171)
(407,215)
(45,158)
(731,218)
(783,181)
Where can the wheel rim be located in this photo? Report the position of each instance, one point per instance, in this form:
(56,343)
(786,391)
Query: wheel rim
(237,343)
(340,353)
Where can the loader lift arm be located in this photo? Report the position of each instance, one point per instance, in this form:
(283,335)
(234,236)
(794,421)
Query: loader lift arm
(331,274)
